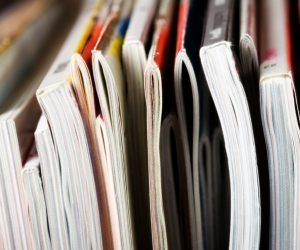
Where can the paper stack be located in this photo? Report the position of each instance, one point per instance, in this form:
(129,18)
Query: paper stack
(145,124)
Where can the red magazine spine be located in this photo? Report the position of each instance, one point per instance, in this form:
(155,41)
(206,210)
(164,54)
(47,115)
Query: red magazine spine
(182,21)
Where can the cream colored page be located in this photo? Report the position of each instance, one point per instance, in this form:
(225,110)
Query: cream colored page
(140,20)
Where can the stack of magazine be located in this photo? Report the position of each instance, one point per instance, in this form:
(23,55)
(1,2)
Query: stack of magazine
(147,124)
